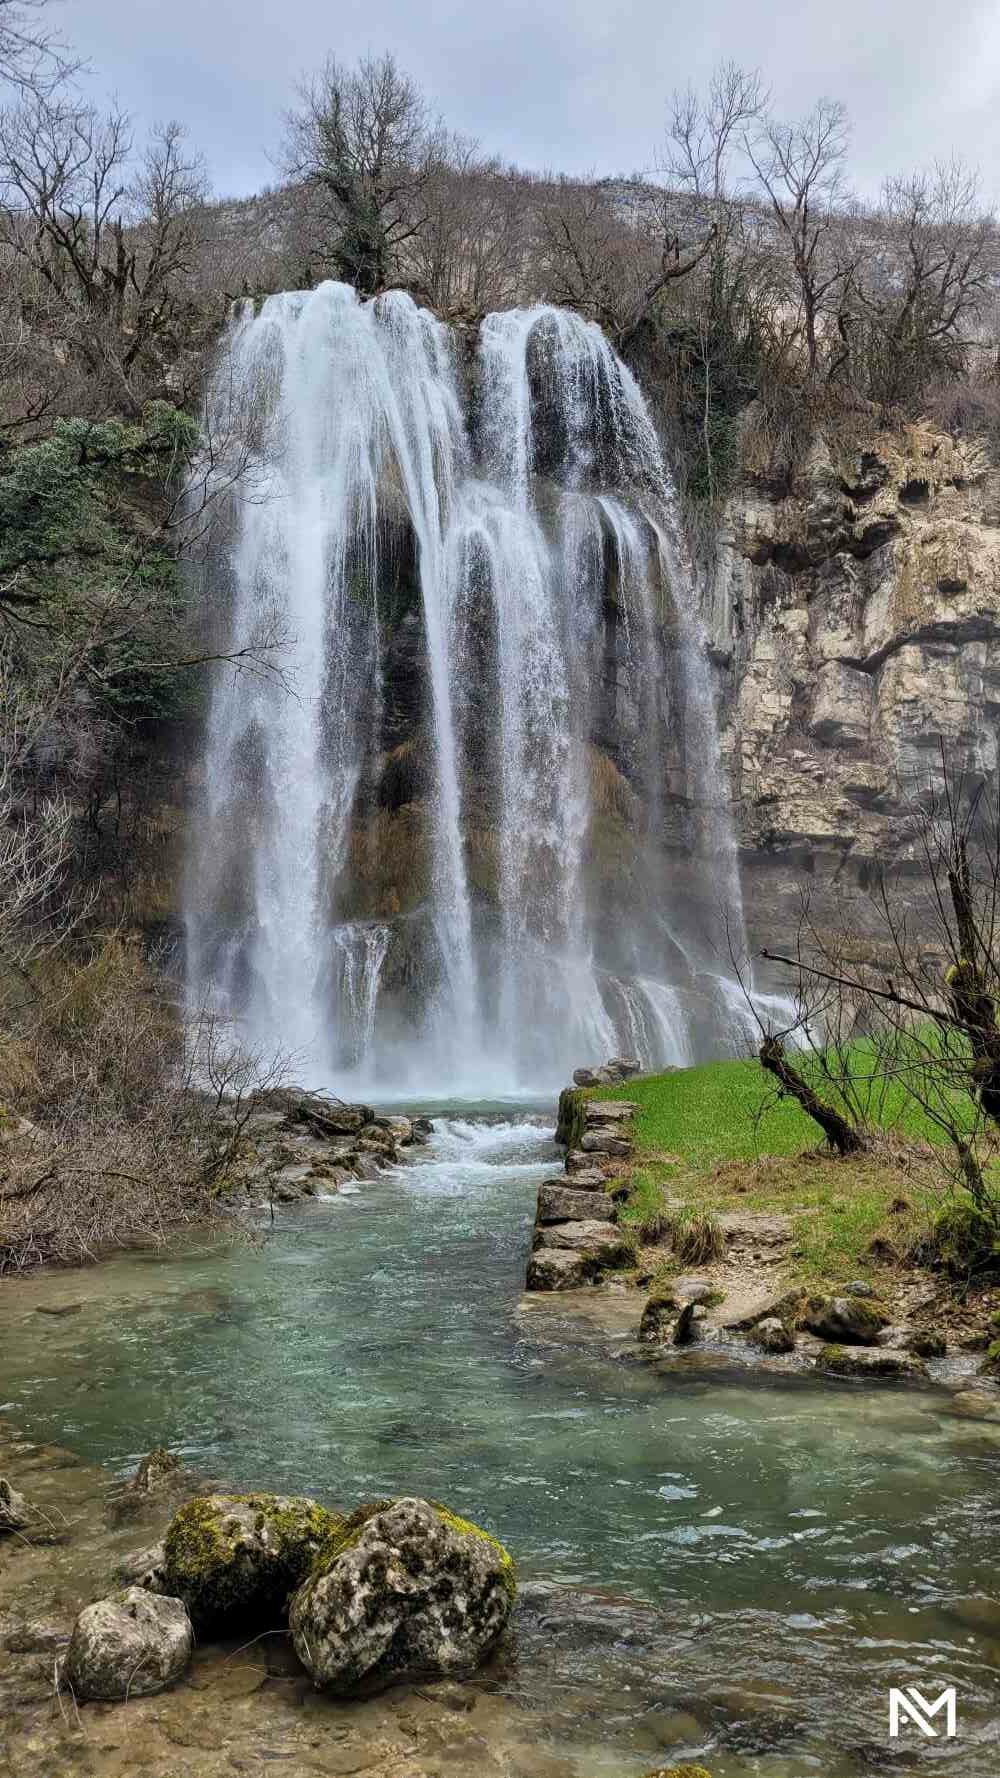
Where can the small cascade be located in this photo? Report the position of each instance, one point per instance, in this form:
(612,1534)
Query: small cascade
(359,950)
(464,840)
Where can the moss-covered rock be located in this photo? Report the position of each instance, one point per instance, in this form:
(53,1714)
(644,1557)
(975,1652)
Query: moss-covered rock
(658,1316)
(569,1122)
(990,1366)
(772,1336)
(234,1559)
(846,1320)
(404,1590)
(963,1239)
(868,1361)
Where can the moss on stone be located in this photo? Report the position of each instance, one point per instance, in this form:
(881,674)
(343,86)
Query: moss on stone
(679,1772)
(570,1120)
(964,1239)
(212,1561)
(348,1535)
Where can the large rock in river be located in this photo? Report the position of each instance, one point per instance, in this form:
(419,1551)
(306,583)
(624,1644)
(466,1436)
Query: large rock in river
(235,1558)
(127,1646)
(407,1591)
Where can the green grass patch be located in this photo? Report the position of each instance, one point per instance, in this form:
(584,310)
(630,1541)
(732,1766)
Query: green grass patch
(738,1146)
(725,1111)
(644,1212)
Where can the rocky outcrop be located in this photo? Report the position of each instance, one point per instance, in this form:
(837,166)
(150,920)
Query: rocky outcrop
(858,610)
(407,1592)
(128,1645)
(296,1145)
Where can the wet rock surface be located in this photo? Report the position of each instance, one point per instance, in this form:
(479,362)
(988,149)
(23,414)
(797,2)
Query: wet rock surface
(234,1559)
(297,1145)
(411,1593)
(129,1645)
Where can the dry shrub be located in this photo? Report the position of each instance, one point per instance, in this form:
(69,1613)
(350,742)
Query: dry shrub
(698,1238)
(122,1146)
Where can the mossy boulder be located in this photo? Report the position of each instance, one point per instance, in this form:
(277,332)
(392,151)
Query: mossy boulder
(990,1366)
(868,1361)
(234,1559)
(406,1590)
(658,1316)
(845,1320)
(569,1122)
(772,1336)
(963,1239)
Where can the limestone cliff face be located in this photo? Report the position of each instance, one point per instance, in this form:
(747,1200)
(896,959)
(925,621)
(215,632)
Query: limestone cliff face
(858,613)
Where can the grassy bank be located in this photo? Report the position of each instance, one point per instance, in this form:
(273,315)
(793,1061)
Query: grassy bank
(717,1138)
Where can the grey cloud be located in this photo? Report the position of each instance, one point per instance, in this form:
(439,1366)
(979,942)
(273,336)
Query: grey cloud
(564,84)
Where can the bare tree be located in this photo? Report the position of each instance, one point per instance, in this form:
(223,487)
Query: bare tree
(33,58)
(902,1005)
(611,249)
(106,243)
(929,274)
(800,168)
(470,254)
(363,137)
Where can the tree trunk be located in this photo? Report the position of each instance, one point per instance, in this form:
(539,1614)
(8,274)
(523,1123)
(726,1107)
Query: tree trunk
(839,1133)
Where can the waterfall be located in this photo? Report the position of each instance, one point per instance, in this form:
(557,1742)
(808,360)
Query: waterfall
(472,832)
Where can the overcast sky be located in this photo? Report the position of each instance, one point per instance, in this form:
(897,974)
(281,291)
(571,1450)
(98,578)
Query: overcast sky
(571,85)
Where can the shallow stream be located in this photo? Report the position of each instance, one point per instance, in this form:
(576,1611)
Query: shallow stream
(734,1569)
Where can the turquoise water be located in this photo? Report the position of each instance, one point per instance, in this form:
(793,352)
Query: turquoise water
(802,1547)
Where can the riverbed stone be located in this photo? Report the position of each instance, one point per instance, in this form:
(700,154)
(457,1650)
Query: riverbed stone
(772,1336)
(844,1320)
(143,1568)
(15,1511)
(235,1558)
(407,1591)
(679,1772)
(975,1404)
(128,1645)
(159,1469)
(870,1361)
(562,1203)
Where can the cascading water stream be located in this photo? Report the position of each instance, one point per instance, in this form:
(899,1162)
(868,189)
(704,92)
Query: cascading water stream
(442,859)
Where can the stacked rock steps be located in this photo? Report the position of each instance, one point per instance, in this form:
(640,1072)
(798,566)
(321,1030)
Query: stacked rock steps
(576,1237)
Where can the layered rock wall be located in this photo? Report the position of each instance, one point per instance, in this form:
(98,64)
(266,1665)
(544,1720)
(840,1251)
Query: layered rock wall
(857,615)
